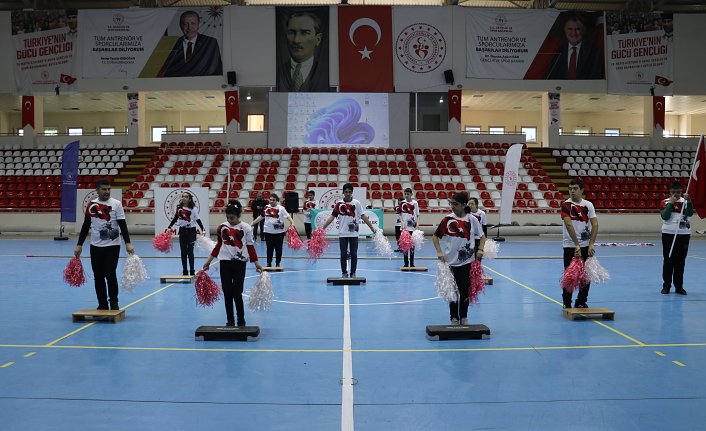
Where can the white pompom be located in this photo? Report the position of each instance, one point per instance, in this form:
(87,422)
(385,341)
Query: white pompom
(134,272)
(491,249)
(261,295)
(595,272)
(205,243)
(445,283)
(418,239)
(382,245)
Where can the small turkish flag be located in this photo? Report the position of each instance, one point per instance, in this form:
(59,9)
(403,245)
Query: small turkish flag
(697,182)
(658,112)
(28,111)
(232,107)
(455,105)
(67,79)
(661,80)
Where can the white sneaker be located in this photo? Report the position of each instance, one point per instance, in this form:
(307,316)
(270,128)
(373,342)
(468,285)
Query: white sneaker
(464,321)
(454,321)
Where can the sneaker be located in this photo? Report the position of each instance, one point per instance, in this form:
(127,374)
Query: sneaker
(353,276)
(184,272)
(241,323)
(680,291)
(114,306)
(102,307)
(344,275)
(269,264)
(665,291)
(192,273)
(230,324)
(454,321)
(583,305)
(567,305)
(464,321)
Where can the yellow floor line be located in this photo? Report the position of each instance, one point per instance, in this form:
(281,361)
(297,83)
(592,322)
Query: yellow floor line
(679,363)
(30,354)
(660,354)
(622,334)
(6,364)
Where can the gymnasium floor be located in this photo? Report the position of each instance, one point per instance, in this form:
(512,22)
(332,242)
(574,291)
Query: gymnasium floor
(339,357)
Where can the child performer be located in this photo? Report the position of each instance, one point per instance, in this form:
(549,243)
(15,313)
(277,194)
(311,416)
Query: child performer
(459,228)
(234,237)
(409,220)
(479,214)
(398,224)
(309,204)
(274,215)
(186,217)
(349,212)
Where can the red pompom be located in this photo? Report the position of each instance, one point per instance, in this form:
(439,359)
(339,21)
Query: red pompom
(405,242)
(74,274)
(293,240)
(574,275)
(207,290)
(163,242)
(317,245)
(477,283)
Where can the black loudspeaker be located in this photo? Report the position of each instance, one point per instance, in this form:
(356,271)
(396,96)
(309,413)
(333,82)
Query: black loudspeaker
(291,202)
(449,76)
(231,78)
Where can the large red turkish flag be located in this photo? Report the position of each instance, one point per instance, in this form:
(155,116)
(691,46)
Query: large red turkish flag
(365,49)
(455,105)
(232,107)
(697,182)
(658,111)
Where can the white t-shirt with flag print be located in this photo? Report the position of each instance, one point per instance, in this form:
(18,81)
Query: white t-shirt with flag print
(104,216)
(458,235)
(348,214)
(580,214)
(409,213)
(677,222)
(274,218)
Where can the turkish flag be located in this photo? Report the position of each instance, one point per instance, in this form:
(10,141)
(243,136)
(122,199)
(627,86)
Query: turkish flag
(232,107)
(365,49)
(658,112)
(28,111)
(67,79)
(455,105)
(697,182)
(661,80)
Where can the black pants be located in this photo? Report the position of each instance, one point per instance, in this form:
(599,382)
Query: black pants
(232,278)
(462,275)
(261,226)
(673,267)
(274,246)
(582,296)
(307,229)
(187,239)
(344,243)
(398,232)
(104,262)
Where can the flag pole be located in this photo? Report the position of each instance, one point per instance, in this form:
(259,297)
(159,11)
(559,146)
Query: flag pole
(691,174)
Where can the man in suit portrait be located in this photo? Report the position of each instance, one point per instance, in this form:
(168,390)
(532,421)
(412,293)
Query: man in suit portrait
(304,70)
(578,56)
(194,54)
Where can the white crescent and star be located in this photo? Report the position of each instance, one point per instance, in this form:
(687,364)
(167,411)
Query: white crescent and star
(28,105)
(659,105)
(454,98)
(364,22)
(231,101)
(697,163)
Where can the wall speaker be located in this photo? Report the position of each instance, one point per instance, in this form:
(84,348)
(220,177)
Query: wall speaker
(231,78)
(291,202)
(449,76)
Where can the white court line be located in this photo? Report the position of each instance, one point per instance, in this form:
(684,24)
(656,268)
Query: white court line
(347,423)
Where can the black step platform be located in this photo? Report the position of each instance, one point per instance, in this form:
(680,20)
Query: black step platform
(414,269)
(227,333)
(340,281)
(458,332)
(273,268)
(177,278)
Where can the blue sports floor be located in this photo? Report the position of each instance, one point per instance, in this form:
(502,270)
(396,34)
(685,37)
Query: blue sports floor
(339,357)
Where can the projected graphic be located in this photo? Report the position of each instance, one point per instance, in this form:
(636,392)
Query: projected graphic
(355,119)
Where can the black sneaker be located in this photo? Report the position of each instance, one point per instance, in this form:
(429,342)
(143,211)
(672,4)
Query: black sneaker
(680,291)
(241,323)
(230,324)
(114,306)
(567,305)
(583,305)
(102,307)
(192,273)
(665,291)
(353,276)
(185,272)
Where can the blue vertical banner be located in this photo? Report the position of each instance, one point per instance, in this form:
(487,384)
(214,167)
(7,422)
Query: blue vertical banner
(69,176)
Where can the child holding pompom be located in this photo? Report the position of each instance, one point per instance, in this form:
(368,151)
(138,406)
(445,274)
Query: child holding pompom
(234,248)
(479,214)
(409,220)
(186,218)
(459,230)
(274,215)
(580,230)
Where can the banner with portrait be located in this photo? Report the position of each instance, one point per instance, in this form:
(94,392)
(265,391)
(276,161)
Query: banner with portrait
(45,43)
(166,200)
(149,43)
(640,53)
(534,44)
(302,49)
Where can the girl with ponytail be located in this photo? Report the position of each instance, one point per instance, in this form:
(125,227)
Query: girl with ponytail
(235,246)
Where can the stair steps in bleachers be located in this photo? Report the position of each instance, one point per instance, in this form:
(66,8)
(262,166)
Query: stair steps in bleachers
(552,166)
(134,167)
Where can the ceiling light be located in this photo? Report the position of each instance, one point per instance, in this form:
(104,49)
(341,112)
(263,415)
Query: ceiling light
(248,97)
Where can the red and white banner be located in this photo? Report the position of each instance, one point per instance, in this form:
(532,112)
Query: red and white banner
(27,111)
(45,43)
(658,112)
(365,49)
(455,105)
(554,109)
(232,106)
(510,180)
(697,182)
(422,46)
(639,53)
(133,109)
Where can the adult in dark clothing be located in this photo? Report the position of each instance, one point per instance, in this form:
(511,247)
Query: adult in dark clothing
(303,71)
(578,57)
(257,205)
(194,54)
